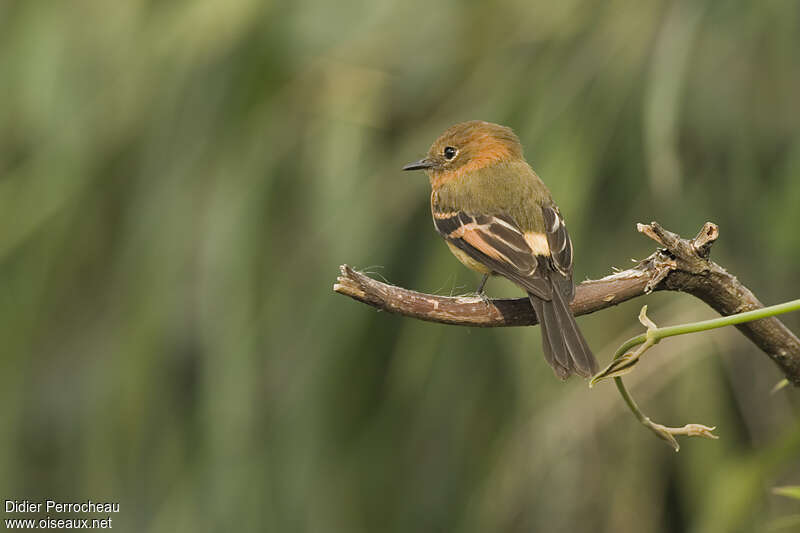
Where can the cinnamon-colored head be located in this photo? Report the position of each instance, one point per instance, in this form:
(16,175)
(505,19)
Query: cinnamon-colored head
(469,146)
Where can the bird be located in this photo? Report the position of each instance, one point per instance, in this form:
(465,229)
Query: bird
(498,218)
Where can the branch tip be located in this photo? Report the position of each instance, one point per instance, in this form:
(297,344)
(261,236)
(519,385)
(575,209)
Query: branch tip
(703,241)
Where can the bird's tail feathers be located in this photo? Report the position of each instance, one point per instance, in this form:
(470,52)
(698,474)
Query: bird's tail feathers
(565,349)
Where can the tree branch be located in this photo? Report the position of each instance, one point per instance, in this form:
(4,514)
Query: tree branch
(681,265)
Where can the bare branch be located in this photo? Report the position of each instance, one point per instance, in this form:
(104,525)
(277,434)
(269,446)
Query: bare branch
(682,265)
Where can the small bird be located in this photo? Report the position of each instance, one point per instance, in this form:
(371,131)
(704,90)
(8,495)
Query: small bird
(497,217)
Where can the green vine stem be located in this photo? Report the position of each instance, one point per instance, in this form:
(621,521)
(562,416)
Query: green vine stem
(624,360)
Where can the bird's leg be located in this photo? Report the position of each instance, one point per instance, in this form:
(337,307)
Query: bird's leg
(479,294)
(481,286)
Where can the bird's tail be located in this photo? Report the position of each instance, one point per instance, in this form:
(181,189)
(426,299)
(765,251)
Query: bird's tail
(563,344)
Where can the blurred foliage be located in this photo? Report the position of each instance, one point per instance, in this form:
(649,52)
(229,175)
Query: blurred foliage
(180,180)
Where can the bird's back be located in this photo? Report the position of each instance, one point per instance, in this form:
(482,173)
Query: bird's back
(514,188)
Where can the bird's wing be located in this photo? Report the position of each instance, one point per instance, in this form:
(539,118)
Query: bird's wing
(560,250)
(497,242)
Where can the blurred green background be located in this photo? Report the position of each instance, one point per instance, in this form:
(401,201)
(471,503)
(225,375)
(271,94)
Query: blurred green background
(179,182)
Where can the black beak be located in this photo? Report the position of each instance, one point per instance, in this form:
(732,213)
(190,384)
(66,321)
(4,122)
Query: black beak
(418,165)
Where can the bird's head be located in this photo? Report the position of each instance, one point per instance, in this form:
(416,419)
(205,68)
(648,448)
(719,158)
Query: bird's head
(469,146)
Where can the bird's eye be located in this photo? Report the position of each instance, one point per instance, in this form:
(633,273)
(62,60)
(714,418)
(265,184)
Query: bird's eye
(449,152)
